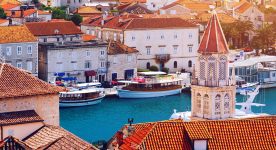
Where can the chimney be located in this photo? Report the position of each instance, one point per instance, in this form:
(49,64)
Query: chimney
(119,137)
(21,13)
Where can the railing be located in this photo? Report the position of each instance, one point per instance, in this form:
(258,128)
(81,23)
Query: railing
(162,57)
(211,83)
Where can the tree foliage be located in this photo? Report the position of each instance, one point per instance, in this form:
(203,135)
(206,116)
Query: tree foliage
(2,13)
(153,68)
(77,19)
(58,13)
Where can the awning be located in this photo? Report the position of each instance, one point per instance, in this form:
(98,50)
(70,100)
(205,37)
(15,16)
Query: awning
(60,74)
(90,73)
(69,78)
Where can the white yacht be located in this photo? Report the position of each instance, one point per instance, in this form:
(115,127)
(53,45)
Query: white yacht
(150,84)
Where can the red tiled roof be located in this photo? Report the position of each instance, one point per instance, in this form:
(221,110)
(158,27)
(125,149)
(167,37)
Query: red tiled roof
(9,6)
(40,12)
(16,34)
(213,40)
(19,13)
(119,48)
(53,28)
(16,83)
(243,7)
(55,138)
(19,117)
(3,21)
(87,37)
(246,134)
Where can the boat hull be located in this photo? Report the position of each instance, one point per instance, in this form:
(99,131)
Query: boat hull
(146,94)
(80,102)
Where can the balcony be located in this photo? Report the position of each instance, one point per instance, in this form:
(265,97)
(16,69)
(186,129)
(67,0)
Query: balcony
(210,83)
(162,58)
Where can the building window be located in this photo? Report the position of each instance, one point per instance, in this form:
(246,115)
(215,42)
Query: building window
(190,35)
(87,31)
(202,70)
(190,63)
(8,51)
(190,49)
(45,39)
(87,64)
(88,53)
(212,68)
(226,104)
(222,68)
(29,65)
(30,49)
(148,37)
(102,52)
(217,105)
(198,101)
(115,36)
(148,50)
(102,64)
(19,50)
(133,38)
(205,105)
(107,35)
(162,36)
(129,58)
(19,65)
(175,64)
(175,49)
(175,36)
(148,65)
(114,59)
(121,37)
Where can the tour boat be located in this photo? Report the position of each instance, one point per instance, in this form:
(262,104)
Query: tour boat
(150,84)
(81,97)
(244,112)
(242,85)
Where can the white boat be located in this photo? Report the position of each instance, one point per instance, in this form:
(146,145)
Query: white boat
(84,97)
(242,85)
(150,84)
(243,112)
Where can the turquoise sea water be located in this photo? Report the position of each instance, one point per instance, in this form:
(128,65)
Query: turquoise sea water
(100,122)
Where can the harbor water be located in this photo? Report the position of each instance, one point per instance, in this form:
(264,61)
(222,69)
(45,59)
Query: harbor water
(102,121)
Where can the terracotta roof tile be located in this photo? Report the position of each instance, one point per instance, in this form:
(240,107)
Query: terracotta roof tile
(3,21)
(16,83)
(40,12)
(119,48)
(223,18)
(9,6)
(131,1)
(254,133)
(19,117)
(53,28)
(19,13)
(55,138)
(213,40)
(243,7)
(2,2)
(195,6)
(16,34)
(87,37)
(87,10)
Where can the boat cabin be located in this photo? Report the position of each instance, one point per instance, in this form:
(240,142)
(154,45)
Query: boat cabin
(79,95)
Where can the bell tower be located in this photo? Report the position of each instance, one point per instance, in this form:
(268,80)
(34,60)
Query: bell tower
(213,91)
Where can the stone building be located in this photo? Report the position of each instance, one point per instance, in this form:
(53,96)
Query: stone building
(29,114)
(213,91)
(122,61)
(163,42)
(19,48)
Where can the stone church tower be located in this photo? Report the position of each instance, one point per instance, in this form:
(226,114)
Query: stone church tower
(213,91)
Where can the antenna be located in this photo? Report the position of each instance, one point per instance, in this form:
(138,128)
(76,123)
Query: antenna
(130,121)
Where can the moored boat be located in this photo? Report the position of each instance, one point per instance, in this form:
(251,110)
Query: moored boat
(242,85)
(84,97)
(150,84)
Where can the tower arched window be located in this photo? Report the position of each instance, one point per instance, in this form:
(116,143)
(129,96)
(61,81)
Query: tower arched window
(226,104)
(198,101)
(175,64)
(222,68)
(190,63)
(205,105)
(211,68)
(148,65)
(217,104)
(202,68)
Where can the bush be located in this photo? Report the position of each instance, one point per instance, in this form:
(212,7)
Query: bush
(166,70)
(77,19)
(153,68)
(142,70)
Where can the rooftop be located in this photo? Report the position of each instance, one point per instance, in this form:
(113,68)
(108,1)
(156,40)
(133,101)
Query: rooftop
(19,117)
(56,138)
(87,10)
(19,13)
(9,6)
(15,82)
(243,6)
(255,133)
(252,61)
(16,34)
(213,40)
(53,28)
(119,48)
